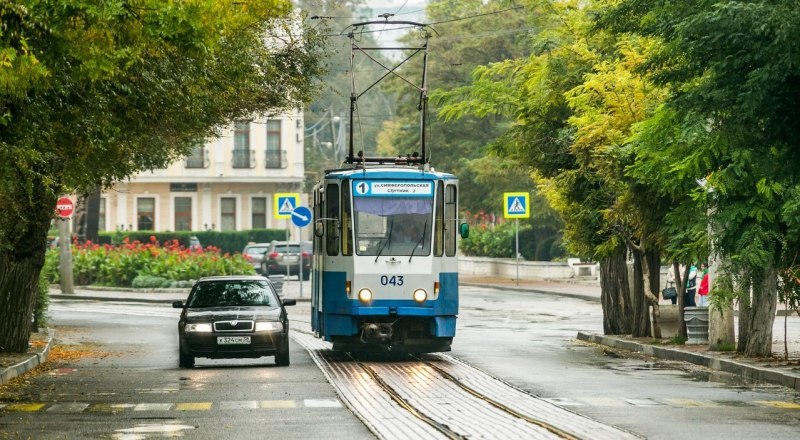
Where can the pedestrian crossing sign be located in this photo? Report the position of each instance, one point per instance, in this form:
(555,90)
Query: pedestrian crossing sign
(516,205)
(285,203)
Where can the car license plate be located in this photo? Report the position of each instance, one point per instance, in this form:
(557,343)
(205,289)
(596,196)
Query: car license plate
(233,340)
(290,259)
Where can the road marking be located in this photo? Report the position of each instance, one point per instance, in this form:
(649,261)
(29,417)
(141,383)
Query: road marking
(109,407)
(278,404)
(244,404)
(193,406)
(322,403)
(688,403)
(603,401)
(152,407)
(68,407)
(26,407)
(778,404)
(644,402)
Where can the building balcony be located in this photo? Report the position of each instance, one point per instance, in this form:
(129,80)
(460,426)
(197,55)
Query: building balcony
(244,159)
(275,159)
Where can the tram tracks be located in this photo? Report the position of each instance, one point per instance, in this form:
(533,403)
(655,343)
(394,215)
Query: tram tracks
(441,397)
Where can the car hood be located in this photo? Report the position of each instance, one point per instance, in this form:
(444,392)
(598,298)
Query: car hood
(234,313)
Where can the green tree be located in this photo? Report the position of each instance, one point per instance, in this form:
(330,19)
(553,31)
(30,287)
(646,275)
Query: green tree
(732,71)
(95,92)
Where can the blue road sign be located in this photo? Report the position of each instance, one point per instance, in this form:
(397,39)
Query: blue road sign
(515,205)
(301,216)
(285,204)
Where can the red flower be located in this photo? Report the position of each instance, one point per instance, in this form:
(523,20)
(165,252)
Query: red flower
(152,239)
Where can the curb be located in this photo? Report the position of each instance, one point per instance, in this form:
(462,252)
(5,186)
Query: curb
(530,290)
(129,299)
(729,366)
(23,367)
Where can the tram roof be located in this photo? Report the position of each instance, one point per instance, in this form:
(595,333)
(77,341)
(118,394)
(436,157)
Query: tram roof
(388,172)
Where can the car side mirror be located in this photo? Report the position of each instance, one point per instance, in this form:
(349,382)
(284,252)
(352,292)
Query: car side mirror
(464,230)
(177,304)
(289,302)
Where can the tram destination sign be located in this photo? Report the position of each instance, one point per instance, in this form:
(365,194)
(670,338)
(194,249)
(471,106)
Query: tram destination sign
(392,188)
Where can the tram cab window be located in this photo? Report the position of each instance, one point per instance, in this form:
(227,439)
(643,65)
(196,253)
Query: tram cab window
(346,223)
(438,243)
(398,226)
(450,220)
(332,225)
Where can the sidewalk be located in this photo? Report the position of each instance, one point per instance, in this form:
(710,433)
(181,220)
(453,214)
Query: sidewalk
(773,370)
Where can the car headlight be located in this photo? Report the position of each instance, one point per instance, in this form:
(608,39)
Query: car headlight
(365,295)
(269,326)
(420,295)
(197,328)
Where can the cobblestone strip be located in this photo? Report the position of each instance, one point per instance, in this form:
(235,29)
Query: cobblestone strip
(385,418)
(526,404)
(446,402)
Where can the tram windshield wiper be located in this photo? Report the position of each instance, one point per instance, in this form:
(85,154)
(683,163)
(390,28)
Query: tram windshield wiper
(421,239)
(388,238)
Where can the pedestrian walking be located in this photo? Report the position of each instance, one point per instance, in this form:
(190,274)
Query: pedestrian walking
(691,287)
(702,291)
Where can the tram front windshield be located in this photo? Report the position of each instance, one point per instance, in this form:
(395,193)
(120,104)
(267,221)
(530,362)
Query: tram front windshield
(393,225)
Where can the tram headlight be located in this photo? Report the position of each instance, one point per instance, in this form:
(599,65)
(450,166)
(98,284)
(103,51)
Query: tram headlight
(365,295)
(420,295)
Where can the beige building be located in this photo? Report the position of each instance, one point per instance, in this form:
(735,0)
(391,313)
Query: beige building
(225,185)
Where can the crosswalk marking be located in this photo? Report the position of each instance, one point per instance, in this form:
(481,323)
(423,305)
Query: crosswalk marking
(193,406)
(277,404)
(26,407)
(115,408)
(247,404)
(688,403)
(644,402)
(778,404)
(322,403)
(68,407)
(152,407)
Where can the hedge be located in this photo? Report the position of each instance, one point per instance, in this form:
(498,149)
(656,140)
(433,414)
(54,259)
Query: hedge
(229,241)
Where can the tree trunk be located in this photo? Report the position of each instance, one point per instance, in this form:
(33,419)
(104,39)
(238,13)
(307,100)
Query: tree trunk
(744,318)
(762,314)
(652,284)
(641,307)
(680,284)
(614,293)
(20,266)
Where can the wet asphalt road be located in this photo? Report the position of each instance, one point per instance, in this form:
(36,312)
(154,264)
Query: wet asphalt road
(525,339)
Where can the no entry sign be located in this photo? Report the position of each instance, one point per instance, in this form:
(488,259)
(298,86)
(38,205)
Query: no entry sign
(64,207)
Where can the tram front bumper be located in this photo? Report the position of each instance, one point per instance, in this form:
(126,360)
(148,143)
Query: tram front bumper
(386,311)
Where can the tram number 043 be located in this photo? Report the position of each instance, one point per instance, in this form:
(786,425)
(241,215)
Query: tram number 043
(391,281)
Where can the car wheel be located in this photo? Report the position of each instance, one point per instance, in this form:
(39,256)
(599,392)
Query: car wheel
(282,356)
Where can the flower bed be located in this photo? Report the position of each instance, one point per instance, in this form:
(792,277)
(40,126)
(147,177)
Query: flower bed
(145,264)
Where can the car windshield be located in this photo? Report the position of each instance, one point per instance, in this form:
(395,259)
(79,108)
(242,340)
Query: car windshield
(226,293)
(256,250)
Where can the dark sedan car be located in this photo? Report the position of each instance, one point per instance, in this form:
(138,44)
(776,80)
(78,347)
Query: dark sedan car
(233,317)
(283,258)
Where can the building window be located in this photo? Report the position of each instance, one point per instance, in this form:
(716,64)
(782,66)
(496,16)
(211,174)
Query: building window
(259,213)
(198,158)
(183,213)
(273,158)
(101,218)
(227,214)
(145,213)
(241,145)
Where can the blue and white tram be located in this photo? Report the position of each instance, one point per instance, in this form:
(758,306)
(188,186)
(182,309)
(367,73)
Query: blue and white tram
(385,266)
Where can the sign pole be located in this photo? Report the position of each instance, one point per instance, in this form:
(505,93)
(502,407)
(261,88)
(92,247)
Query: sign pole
(65,257)
(516,247)
(287,247)
(300,261)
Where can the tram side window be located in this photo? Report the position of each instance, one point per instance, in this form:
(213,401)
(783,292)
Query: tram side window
(451,222)
(317,215)
(332,213)
(438,235)
(347,215)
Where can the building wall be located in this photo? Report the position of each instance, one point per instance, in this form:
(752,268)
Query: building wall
(206,186)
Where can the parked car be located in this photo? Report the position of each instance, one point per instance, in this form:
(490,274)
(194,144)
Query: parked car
(194,243)
(233,317)
(254,252)
(283,258)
